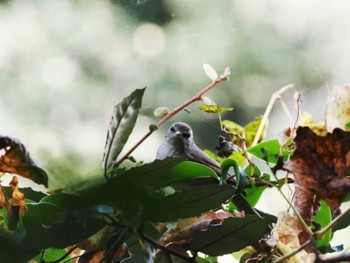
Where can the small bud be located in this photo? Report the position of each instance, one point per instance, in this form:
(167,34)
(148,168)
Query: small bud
(207,100)
(210,72)
(161,112)
(153,127)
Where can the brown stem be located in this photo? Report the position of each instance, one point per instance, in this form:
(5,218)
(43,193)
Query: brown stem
(173,112)
(167,250)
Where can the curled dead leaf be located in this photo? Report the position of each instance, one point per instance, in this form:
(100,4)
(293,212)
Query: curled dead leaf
(187,229)
(321,164)
(18,197)
(286,234)
(15,159)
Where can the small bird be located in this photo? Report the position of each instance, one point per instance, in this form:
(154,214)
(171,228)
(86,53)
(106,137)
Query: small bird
(179,143)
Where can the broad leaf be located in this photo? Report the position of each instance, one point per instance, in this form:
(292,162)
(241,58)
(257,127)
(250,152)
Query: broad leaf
(122,123)
(187,203)
(213,109)
(323,217)
(268,150)
(233,235)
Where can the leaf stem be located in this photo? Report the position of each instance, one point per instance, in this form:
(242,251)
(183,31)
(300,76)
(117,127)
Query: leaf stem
(274,97)
(173,112)
(166,249)
(282,259)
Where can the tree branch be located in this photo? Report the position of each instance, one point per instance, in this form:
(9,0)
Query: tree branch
(172,113)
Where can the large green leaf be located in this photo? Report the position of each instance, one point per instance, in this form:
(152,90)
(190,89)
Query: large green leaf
(187,203)
(323,217)
(233,235)
(122,123)
(272,149)
(69,230)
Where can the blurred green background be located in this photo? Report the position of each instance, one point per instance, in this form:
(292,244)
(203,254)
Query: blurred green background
(64,64)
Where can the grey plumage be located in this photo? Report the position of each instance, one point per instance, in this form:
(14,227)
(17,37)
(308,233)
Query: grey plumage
(179,142)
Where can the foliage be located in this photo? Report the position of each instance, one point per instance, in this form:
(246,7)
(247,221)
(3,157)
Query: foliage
(163,209)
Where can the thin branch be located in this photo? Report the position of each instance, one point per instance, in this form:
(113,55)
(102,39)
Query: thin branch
(173,112)
(65,255)
(322,232)
(274,97)
(166,249)
(336,259)
(116,244)
(281,259)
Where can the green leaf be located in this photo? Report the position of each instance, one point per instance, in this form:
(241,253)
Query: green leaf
(68,230)
(187,203)
(122,123)
(272,148)
(28,192)
(347,126)
(241,180)
(50,216)
(323,217)
(52,254)
(233,127)
(233,235)
(213,109)
(251,129)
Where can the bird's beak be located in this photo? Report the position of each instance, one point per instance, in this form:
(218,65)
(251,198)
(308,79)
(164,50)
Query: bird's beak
(178,133)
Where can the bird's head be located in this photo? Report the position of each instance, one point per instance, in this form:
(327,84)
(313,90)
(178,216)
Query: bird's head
(180,132)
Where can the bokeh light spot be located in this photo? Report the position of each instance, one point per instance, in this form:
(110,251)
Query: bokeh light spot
(149,40)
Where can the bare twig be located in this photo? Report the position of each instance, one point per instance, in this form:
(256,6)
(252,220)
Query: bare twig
(64,256)
(274,97)
(282,259)
(167,250)
(336,259)
(322,232)
(173,112)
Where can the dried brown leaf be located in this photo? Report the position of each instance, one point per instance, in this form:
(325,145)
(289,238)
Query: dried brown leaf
(321,164)
(15,159)
(18,197)
(286,233)
(186,230)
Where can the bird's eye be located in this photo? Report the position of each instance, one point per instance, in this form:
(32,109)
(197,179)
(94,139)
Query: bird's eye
(186,135)
(172,129)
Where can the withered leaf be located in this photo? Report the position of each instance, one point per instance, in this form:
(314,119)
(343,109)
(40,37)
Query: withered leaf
(3,200)
(286,234)
(321,164)
(338,108)
(15,159)
(18,197)
(187,228)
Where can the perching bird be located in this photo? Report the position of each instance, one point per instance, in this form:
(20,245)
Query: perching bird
(179,143)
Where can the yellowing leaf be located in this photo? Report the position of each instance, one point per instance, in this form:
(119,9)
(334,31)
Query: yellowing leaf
(251,129)
(232,127)
(307,120)
(338,108)
(213,109)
